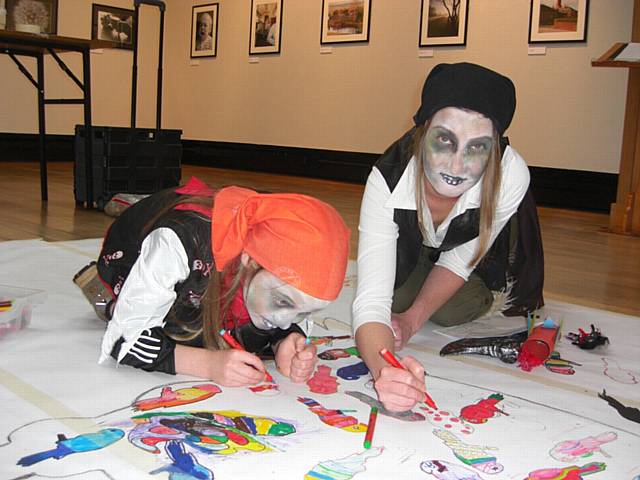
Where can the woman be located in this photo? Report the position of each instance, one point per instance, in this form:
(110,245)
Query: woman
(184,263)
(446,222)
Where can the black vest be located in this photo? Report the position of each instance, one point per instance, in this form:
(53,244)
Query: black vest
(521,262)
(123,241)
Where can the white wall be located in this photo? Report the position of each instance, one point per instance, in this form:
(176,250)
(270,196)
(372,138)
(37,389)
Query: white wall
(361,96)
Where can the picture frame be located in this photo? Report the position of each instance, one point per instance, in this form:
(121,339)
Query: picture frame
(265,32)
(204,30)
(443,23)
(41,13)
(558,21)
(114,25)
(345,21)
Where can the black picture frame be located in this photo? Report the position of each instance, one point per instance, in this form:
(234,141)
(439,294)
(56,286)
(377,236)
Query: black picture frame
(443,23)
(265,28)
(549,23)
(345,21)
(114,25)
(204,43)
(35,12)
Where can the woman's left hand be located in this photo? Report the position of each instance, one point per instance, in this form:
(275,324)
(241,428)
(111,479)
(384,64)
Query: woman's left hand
(296,359)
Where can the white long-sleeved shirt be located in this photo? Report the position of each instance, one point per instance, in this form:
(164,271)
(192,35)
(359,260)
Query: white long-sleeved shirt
(148,293)
(379,232)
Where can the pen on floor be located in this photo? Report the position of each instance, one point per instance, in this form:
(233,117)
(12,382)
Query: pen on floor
(393,361)
(371,426)
(233,343)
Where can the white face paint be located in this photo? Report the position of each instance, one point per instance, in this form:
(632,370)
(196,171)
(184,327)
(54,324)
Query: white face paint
(273,303)
(458,144)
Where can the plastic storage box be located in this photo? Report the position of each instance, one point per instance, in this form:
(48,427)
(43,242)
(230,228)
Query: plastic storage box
(127,160)
(17,305)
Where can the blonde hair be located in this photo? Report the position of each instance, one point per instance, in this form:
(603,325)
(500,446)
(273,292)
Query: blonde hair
(490,187)
(216,299)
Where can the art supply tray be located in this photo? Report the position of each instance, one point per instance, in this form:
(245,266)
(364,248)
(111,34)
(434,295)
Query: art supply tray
(17,305)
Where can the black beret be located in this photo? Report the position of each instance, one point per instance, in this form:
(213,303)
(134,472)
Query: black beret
(470,86)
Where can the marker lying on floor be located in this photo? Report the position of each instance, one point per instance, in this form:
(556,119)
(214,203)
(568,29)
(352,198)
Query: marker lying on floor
(371,426)
(393,361)
(233,343)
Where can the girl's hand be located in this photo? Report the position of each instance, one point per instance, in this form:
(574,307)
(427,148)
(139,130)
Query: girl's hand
(235,368)
(399,390)
(295,359)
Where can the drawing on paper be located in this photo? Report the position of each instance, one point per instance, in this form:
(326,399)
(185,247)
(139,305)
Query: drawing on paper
(336,353)
(353,372)
(556,364)
(572,450)
(182,396)
(483,410)
(334,418)
(475,456)
(444,419)
(86,442)
(408,416)
(322,381)
(567,473)
(618,374)
(342,468)
(442,470)
(184,465)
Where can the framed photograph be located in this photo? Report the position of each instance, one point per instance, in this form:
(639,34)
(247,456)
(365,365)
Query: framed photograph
(113,25)
(345,21)
(266,26)
(204,30)
(558,21)
(32,15)
(443,22)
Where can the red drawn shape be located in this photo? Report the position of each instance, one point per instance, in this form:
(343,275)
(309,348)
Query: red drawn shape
(322,381)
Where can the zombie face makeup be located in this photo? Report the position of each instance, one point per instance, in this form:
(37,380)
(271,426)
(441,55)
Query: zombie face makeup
(273,303)
(458,144)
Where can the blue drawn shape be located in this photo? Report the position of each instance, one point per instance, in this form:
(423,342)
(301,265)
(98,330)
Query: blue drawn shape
(353,372)
(86,442)
(184,465)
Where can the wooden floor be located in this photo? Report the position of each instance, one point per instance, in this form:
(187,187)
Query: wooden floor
(583,263)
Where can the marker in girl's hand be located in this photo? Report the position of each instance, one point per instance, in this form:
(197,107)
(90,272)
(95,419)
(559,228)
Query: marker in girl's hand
(393,361)
(233,343)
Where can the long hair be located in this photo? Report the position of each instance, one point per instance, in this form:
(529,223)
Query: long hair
(489,192)
(218,294)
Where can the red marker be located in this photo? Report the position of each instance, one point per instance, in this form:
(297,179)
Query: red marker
(393,361)
(233,343)
(371,426)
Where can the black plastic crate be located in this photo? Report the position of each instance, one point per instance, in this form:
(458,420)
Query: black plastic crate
(127,160)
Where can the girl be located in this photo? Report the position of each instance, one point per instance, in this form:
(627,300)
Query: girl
(446,221)
(184,263)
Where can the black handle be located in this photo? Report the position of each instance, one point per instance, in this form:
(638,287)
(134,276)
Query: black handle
(157,3)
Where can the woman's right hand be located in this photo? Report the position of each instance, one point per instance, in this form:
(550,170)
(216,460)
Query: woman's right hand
(236,368)
(399,390)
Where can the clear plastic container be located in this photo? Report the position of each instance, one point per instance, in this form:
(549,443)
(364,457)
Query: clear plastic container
(17,315)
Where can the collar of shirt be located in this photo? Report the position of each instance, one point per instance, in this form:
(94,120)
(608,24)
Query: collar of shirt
(404,197)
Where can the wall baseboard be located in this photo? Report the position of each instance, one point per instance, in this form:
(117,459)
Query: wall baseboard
(552,187)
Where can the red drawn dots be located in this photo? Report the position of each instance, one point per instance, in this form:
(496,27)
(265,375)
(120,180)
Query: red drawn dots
(447,425)
(443,413)
(454,419)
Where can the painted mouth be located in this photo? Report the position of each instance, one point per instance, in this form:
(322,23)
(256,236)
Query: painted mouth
(453,181)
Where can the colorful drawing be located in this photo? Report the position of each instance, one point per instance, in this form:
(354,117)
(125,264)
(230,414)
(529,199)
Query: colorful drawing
(329,339)
(572,450)
(342,468)
(336,353)
(86,442)
(567,473)
(353,372)
(442,470)
(183,396)
(444,419)
(472,455)
(334,418)
(220,432)
(184,465)
(557,364)
(617,374)
(268,389)
(483,410)
(408,416)
(322,381)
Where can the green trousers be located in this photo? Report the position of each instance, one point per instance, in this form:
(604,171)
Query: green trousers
(471,301)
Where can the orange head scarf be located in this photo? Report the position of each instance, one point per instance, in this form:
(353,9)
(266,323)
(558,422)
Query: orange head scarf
(299,239)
